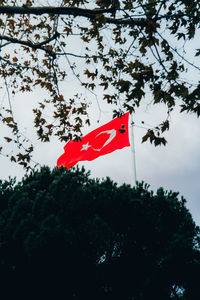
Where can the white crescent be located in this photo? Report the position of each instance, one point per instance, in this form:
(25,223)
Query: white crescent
(112,134)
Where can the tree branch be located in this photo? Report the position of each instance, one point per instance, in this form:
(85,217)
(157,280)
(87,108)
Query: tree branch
(181,56)
(31,45)
(128,21)
(16,65)
(83,12)
(56,34)
(74,11)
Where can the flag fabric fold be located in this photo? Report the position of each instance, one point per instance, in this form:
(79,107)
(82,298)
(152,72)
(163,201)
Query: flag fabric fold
(103,140)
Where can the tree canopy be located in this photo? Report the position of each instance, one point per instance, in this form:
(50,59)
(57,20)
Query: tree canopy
(122,50)
(67,236)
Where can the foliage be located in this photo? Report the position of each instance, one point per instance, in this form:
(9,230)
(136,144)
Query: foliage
(67,236)
(123,49)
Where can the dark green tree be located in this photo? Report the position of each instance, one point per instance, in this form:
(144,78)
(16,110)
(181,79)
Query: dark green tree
(67,236)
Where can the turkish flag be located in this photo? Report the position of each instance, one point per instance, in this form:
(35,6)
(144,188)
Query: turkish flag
(103,140)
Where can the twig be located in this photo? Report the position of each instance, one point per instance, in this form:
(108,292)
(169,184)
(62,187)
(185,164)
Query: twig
(31,45)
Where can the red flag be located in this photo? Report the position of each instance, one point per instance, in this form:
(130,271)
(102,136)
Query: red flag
(101,141)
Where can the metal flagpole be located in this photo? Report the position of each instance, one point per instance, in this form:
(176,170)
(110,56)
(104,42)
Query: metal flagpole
(132,141)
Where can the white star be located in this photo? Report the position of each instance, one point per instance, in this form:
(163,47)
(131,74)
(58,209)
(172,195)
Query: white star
(85,147)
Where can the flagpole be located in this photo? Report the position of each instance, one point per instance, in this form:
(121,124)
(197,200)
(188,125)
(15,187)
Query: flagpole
(132,141)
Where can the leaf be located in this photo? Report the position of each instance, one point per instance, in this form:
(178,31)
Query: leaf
(198,52)
(147,136)
(30,149)
(8,139)
(67,29)
(165,126)
(49,126)
(15,59)
(87,122)
(124,85)
(90,74)
(13,159)
(191,31)
(37,36)
(7,120)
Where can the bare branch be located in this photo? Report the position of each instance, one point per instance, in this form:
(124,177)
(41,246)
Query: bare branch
(128,21)
(80,56)
(16,65)
(48,40)
(74,11)
(74,55)
(31,45)
(181,56)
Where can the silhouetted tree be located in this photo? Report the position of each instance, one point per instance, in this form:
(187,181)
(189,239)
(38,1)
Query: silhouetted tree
(67,236)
